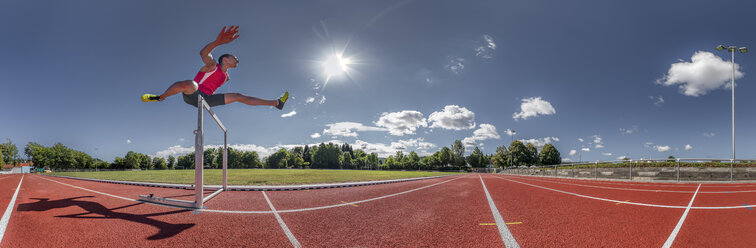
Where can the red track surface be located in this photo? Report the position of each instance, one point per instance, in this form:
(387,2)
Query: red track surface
(442,212)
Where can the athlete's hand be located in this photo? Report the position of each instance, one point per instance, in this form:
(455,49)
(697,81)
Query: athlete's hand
(229,35)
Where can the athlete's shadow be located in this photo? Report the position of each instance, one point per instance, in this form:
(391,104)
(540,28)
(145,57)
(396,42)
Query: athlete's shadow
(98,211)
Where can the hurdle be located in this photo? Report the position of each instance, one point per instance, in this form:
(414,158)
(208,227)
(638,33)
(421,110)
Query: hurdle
(199,142)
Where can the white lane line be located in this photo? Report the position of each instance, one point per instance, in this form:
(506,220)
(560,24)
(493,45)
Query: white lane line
(333,206)
(270,212)
(644,190)
(286,230)
(506,236)
(672,236)
(93,191)
(713,184)
(6,217)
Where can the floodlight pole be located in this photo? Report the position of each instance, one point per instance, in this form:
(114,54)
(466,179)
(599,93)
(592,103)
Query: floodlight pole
(732,49)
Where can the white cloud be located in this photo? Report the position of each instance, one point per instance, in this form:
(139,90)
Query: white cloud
(661,148)
(484,132)
(315,135)
(290,114)
(348,129)
(688,147)
(709,135)
(608,154)
(597,141)
(418,143)
(322,100)
(573,152)
(581,140)
(648,144)
(381,149)
(401,123)
(540,142)
(658,100)
(532,107)
(628,131)
(486,51)
(704,73)
(181,140)
(599,146)
(128,141)
(176,150)
(310,100)
(586,149)
(453,117)
(621,158)
(456,65)
(509,132)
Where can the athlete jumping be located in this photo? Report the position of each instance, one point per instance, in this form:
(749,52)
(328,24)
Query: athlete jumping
(212,76)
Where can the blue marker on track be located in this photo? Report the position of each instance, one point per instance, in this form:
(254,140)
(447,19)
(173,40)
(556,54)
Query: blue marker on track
(749,208)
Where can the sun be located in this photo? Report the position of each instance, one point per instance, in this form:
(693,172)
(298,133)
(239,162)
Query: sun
(335,65)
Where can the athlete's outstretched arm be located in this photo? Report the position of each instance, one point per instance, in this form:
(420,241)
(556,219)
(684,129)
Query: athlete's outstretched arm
(225,36)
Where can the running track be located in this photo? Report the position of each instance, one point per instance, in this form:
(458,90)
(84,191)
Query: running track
(471,210)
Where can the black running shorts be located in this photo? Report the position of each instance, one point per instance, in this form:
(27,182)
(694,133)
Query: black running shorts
(212,100)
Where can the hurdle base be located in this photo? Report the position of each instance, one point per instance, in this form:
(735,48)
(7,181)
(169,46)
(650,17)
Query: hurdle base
(167,201)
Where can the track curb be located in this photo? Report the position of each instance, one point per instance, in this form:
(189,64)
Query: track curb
(256,188)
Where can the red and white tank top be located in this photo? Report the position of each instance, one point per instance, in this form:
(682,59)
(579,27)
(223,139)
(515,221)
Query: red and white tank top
(210,81)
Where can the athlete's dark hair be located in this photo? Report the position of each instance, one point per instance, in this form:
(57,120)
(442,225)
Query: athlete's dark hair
(220,60)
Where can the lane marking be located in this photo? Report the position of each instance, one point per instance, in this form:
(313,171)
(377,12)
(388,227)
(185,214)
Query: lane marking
(6,217)
(286,230)
(265,212)
(506,236)
(622,202)
(650,183)
(747,207)
(493,224)
(672,236)
(355,205)
(644,190)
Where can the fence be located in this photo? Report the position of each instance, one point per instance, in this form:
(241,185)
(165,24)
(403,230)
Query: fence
(682,169)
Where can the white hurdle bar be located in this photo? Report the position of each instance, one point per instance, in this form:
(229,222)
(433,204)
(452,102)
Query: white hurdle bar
(199,140)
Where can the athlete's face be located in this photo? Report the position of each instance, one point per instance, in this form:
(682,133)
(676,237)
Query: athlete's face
(231,61)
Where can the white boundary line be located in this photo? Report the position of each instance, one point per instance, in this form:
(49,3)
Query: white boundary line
(286,230)
(714,184)
(673,235)
(6,217)
(646,190)
(506,235)
(266,212)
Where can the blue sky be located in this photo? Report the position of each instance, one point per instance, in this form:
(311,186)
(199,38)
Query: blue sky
(603,78)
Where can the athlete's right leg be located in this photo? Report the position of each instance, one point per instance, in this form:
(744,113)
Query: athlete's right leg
(187,87)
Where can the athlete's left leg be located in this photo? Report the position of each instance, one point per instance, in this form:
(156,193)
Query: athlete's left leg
(250,100)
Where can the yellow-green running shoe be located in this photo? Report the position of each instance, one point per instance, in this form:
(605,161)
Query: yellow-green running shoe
(150,98)
(282,100)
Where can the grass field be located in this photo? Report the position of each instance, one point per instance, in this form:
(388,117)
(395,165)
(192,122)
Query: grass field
(254,176)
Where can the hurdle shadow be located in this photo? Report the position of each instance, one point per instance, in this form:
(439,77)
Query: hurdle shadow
(98,211)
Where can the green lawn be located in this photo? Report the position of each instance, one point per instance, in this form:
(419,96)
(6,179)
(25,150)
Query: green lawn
(254,176)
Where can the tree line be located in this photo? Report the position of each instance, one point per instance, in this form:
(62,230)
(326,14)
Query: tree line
(322,156)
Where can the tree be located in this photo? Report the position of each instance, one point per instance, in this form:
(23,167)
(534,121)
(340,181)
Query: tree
(477,159)
(186,161)
(277,159)
(532,154)
(171,162)
(9,152)
(549,155)
(295,159)
(458,154)
(251,160)
(2,162)
(445,156)
(159,163)
(326,156)
(372,161)
(347,161)
(671,158)
(517,154)
(413,161)
(500,159)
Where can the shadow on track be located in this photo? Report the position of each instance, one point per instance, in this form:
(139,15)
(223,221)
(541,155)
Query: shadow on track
(167,230)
